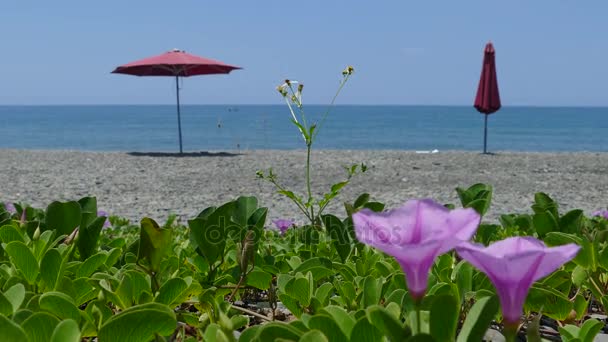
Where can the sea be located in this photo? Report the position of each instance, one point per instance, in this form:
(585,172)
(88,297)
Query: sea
(153,128)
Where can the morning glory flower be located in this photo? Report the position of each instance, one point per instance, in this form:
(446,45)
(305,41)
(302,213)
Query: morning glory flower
(415,234)
(283,225)
(107,223)
(601,213)
(513,265)
(10,207)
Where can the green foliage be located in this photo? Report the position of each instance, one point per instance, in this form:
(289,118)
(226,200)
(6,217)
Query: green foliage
(188,283)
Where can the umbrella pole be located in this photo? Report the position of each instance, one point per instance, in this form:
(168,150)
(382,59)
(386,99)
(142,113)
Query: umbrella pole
(485,134)
(179,119)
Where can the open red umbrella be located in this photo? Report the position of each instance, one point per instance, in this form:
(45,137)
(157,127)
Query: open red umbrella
(178,64)
(487,100)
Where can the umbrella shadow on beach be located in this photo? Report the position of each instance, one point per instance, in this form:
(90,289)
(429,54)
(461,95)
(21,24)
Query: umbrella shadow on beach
(185,154)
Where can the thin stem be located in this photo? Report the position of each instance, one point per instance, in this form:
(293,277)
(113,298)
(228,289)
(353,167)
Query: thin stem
(312,208)
(236,288)
(331,104)
(298,204)
(418,325)
(252,313)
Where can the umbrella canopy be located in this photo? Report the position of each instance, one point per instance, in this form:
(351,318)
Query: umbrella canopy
(175,63)
(487,100)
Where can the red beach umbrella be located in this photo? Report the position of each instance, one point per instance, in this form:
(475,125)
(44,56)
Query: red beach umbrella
(487,100)
(175,63)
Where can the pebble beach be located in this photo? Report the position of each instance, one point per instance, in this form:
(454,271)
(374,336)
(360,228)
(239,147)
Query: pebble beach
(156,185)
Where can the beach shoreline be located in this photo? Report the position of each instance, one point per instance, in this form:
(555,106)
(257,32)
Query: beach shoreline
(135,186)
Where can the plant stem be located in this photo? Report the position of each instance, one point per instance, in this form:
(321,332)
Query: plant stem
(312,208)
(510,332)
(418,324)
(252,313)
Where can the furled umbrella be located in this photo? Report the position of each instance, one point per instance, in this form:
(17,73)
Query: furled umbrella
(175,63)
(487,100)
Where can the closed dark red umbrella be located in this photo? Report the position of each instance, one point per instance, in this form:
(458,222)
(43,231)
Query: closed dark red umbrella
(176,63)
(487,100)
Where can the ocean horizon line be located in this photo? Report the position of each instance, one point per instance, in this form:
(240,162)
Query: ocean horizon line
(309,104)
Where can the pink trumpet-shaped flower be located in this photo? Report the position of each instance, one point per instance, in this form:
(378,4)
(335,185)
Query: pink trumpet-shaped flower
(283,225)
(601,213)
(415,234)
(10,208)
(513,265)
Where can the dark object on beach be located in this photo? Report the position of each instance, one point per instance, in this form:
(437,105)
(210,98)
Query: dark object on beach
(487,100)
(181,154)
(175,63)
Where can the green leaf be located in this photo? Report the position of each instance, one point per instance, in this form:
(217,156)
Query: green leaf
(10,234)
(364,331)
(171,290)
(39,326)
(590,329)
(320,267)
(66,331)
(154,243)
(139,323)
(300,289)
(60,304)
(63,217)
(90,265)
(313,336)
(6,308)
(341,317)
(579,276)
(209,234)
(275,330)
(542,202)
(243,209)
(553,303)
(329,327)
(10,331)
(339,235)
(50,268)
(463,274)
(544,223)
(15,296)
(386,323)
(88,238)
(372,291)
(291,304)
(24,260)
(478,320)
(422,338)
(571,221)
(361,200)
(259,279)
(445,314)
(581,306)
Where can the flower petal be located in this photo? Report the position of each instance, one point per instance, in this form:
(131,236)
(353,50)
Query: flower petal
(555,257)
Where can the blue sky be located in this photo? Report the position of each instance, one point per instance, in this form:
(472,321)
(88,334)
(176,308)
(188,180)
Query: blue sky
(405,52)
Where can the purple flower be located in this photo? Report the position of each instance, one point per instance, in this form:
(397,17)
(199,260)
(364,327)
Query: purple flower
(513,265)
(101,213)
(283,225)
(415,234)
(10,207)
(601,213)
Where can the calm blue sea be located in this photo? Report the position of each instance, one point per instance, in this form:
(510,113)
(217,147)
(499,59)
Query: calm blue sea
(223,127)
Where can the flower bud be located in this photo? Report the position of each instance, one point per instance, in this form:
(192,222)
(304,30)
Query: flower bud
(348,71)
(36,234)
(300,87)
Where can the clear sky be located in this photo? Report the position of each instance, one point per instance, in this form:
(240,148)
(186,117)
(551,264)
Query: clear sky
(549,52)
